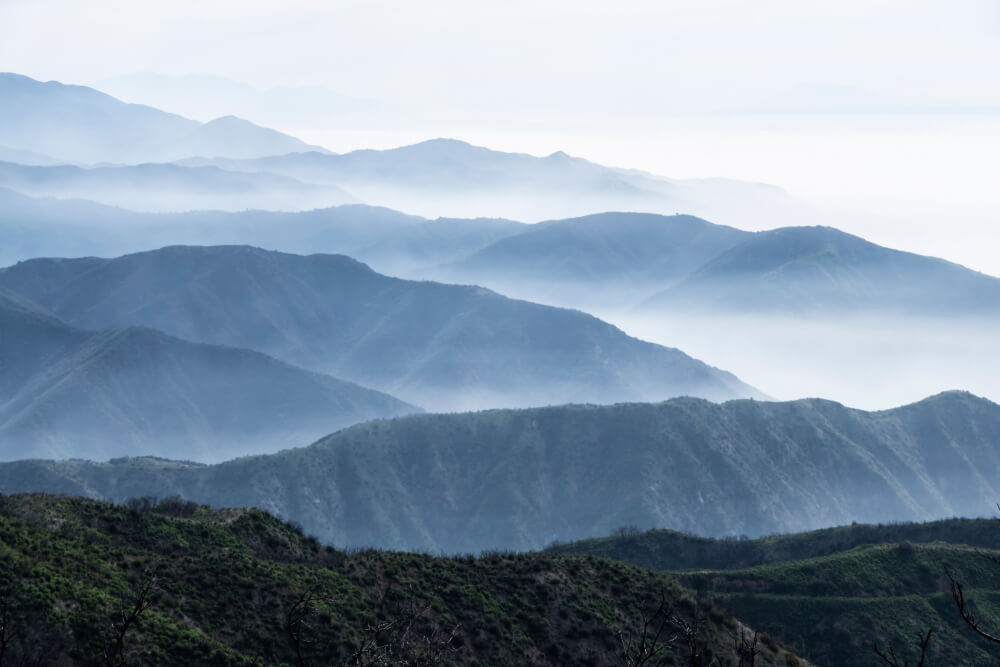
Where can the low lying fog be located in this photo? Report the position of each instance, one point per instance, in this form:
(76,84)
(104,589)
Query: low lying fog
(862,362)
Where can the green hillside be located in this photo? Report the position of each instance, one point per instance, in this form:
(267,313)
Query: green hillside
(660,549)
(832,594)
(237,586)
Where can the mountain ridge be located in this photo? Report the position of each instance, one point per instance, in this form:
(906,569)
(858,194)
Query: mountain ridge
(447,346)
(523,478)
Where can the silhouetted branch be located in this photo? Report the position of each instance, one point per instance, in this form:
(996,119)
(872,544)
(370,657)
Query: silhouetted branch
(965,609)
(650,644)
(128,614)
(891,659)
(747,648)
(296,621)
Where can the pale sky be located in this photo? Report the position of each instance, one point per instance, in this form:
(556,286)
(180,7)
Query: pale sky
(883,115)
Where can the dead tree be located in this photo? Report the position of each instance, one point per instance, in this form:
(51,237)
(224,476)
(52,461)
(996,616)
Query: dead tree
(891,659)
(966,609)
(8,633)
(130,608)
(746,648)
(297,621)
(400,643)
(651,645)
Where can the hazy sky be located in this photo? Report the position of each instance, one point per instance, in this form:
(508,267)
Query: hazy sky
(885,115)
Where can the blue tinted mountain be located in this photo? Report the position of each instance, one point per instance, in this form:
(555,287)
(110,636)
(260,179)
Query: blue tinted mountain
(815,269)
(447,177)
(81,124)
(391,241)
(168,187)
(616,257)
(521,478)
(67,392)
(442,346)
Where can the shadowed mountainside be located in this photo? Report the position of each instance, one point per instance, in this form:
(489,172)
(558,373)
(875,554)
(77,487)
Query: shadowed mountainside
(444,346)
(68,392)
(523,478)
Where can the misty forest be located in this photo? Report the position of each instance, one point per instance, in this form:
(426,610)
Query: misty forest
(321,346)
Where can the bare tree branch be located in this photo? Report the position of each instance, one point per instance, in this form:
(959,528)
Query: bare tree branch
(965,609)
(890,658)
(129,609)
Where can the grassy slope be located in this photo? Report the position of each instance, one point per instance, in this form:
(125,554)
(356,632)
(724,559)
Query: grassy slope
(832,593)
(227,580)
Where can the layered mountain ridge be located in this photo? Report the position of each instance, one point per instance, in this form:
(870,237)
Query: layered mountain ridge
(523,478)
(68,392)
(445,347)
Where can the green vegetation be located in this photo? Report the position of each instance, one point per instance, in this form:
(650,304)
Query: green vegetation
(671,550)
(832,594)
(237,586)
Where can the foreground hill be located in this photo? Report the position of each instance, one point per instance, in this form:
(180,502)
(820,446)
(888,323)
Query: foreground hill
(834,593)
(238,587)
(523,478)
(445,347)
(68,392)
(80,124)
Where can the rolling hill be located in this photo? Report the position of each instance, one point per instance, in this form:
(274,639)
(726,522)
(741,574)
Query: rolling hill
(523,478)
(66,392)
(835,593)
(445,347)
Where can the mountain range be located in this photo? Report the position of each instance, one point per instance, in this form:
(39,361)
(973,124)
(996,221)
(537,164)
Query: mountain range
(439,177)
(452,178)
(523,478)
(82,125)
(445,347)
(67,392)
(643,262)
(167,187)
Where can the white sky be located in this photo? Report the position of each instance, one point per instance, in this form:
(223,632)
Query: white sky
(883,114)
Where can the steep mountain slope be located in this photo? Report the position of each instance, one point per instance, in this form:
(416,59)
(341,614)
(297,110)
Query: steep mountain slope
(68,392)
(520,479)
(81,124)
(445,347)
(224,588)
(817,269)
(835,593)
(168,187)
